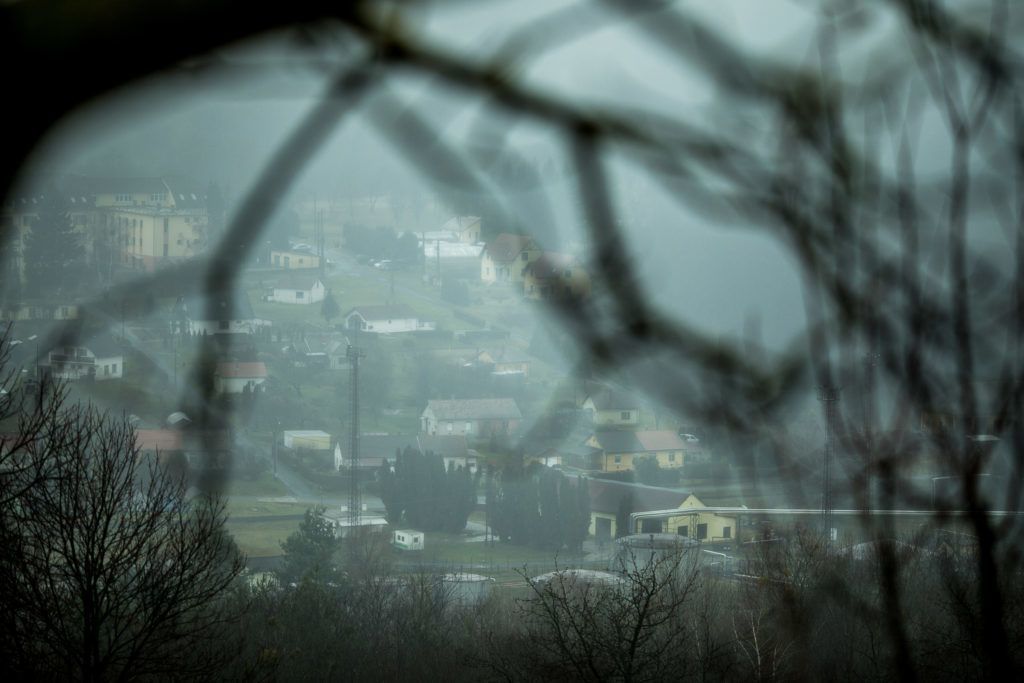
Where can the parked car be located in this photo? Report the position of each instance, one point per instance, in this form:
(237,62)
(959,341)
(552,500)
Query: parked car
(384,264)
(689,438)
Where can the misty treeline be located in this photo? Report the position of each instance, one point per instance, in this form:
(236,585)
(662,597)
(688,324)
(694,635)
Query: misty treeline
(420,492)
(538,506)
(891,177)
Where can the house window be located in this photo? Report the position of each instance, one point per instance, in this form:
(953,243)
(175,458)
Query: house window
(113,369)
(702,531)
(671,457)
(683,530)
(624,415)
(727,532)
(222,324)
(106,370)
(450,427)
(300,295)
(64,311)
(618,459)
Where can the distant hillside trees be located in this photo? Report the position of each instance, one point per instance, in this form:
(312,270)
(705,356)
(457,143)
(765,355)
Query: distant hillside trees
(420,492)
(539,506)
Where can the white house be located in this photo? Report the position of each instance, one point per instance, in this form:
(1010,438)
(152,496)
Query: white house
(298,288)
(408,539)
(99,358)
(236,378)
(229,314)
(385,319)
(471,417)
(465,229)
(505,258)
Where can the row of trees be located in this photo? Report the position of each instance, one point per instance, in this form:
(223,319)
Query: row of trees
(110,568)
(420,492)
(538,506)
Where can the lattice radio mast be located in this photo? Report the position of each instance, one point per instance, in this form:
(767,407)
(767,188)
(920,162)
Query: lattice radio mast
(828,394)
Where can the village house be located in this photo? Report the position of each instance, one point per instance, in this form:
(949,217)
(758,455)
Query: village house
(237,378)
(99,358)
(229,314)
(298,288)
(38,310)
(608,407)
(464,229)
(198,449)
(293,260)
(387,319)
(609,500)
(327,351)
(374,449)
(477,417)
(507,360)
(505,258)
(555,276)
(619,449)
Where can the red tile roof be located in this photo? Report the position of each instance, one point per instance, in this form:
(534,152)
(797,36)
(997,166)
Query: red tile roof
(506,247)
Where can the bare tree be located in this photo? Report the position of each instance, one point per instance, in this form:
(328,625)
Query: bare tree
(109,570)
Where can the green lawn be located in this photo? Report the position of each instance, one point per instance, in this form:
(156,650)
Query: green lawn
(261,539)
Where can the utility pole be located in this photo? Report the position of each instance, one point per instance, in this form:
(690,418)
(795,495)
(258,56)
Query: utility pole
(828,394)
(354,499)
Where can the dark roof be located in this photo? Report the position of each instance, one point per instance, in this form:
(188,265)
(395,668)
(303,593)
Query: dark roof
(605,398)
(386,312)
(624,441)
(506,247)
(605,496)
(378,447)
(185,193)
(195,306)
(475,409)
(618,441)
(303,281)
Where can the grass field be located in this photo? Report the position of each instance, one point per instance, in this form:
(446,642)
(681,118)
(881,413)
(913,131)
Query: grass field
(261,539)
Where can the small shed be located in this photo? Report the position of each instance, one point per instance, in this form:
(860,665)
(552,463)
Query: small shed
(408,539)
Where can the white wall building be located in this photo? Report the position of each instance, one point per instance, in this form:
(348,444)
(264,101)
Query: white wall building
(385,319)
(99,358)
(298,288)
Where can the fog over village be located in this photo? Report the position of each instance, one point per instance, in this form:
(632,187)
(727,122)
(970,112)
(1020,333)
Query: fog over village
(581,340)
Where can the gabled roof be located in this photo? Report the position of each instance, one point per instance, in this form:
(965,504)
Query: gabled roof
(195,307)
(241,370)
(606,496)
(386,312)
(624,441)
(605,398)
(618,441)
(661,440)
(303,281)
(475,409)
(506,247)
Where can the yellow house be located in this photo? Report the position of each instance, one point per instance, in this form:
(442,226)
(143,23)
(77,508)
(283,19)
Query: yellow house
(620,448)
(293,260)
(505,258)
(610,500)
(555,276)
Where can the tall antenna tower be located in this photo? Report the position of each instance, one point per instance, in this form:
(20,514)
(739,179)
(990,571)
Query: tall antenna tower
(355,506)
(828,394)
